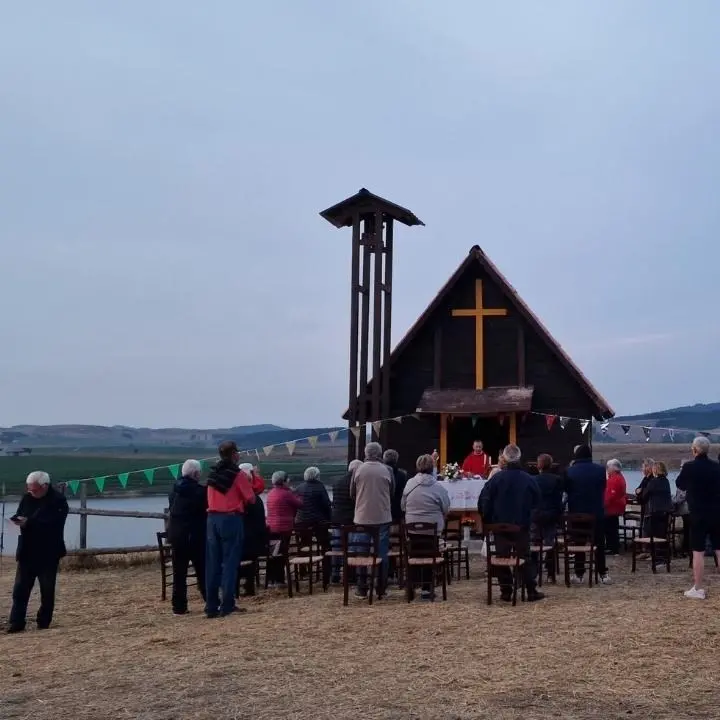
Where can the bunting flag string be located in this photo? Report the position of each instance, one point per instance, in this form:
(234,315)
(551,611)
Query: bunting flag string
(313,440)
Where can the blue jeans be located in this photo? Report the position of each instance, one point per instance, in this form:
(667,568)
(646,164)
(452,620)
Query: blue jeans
(222,558)
(383,550)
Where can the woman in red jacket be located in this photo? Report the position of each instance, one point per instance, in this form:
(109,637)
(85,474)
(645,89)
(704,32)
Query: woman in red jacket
(615,501)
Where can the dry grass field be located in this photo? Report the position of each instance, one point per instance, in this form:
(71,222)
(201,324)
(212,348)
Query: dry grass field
(636,649)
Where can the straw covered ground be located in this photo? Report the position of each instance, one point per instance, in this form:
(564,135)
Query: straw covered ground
(634,649)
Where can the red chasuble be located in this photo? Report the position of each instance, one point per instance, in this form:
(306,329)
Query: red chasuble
(476,464)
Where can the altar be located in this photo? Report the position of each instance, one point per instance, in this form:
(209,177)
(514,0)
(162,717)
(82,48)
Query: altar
(464,495)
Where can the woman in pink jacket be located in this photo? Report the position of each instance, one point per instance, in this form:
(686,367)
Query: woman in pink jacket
(281,505)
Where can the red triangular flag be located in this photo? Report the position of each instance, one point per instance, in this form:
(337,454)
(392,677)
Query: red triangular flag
(550,421)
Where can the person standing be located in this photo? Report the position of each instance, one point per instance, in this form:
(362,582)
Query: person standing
(700,479)
(229,493)
(647,471)
(187,529)
(585,483)
(400,478)
(315,508)
(255,535)
(511,497)
(477,462)
(41,518)
(547,514)
(372,487)
(282,504)
(615,502)
(343,513)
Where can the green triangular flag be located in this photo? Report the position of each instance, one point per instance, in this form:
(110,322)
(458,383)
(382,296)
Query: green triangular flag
(100,482)
(203,464)
(123,478)
(474,420)
(174,470)
(150,475)
(74,485)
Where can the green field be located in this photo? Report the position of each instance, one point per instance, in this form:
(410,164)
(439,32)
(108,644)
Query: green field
(66,467)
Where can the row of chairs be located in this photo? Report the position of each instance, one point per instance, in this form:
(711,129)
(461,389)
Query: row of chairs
(309,553)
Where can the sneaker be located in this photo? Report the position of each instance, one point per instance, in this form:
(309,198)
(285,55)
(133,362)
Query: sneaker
(235,609)
(695,593)
(506,597)
(535,596)
(576,580)
(361,595)
(605,579)
(180,612)
(426,595)
(15,629)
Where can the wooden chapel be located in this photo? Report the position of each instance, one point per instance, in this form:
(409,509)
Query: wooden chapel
(477,364)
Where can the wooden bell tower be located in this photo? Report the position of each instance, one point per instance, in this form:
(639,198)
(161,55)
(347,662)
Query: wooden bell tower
(372,220)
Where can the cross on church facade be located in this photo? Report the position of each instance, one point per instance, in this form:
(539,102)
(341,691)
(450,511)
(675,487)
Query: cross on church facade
(479,312)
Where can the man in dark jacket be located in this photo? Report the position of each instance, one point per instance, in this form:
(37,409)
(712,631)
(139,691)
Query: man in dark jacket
(700,479)
(41,518)
(391,459)
(343,513)
(187,530)
(256,534)
(510,497)
(585,486)
(549,509)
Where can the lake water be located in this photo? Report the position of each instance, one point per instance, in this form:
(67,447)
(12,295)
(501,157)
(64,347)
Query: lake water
(124,532)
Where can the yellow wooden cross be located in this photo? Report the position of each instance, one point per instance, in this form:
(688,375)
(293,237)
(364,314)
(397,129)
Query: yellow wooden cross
(479,312)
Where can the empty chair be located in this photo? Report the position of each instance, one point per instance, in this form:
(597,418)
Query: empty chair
(424,561)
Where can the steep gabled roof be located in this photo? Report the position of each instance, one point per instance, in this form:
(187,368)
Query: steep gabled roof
(477,255)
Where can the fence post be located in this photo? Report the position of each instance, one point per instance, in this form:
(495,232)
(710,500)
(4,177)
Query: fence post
(83,518)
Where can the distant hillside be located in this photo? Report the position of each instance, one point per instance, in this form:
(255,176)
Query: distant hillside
(689,418)
(88,437)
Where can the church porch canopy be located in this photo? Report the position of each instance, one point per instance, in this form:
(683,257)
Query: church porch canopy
(489,401)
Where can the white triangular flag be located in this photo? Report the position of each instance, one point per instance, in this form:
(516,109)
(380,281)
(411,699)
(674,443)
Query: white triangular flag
(313,441)
(257,454)
(584,426)
(333,435)
(646,431)
(355,431)
(604,428)
(671,433)
(267,450)
(290,446)
(564,421)
(377,425)
(398,419)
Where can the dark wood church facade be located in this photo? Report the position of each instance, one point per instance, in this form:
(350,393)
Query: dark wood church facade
(476,365)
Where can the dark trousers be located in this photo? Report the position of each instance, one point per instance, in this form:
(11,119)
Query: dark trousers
(600,563)
(25,576)
(186,550)
(527,570)
(612,534)
(222,558)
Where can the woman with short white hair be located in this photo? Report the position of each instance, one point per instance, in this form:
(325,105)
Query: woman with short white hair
(187,531)
(615,501)
(316,508)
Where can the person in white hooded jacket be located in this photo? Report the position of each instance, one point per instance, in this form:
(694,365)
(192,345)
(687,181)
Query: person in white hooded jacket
(424,498)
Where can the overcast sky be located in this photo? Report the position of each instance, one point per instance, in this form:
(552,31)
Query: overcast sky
(162,166)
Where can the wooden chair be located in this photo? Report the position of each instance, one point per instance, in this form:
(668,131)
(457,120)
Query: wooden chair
(396,553)
(630,525)
(166,570)
(275,560)
(454,550)
(360,545)
(504,549)
(654,543)
(423,553)
(305,556)
(579,537)
(539,548)
(335,551)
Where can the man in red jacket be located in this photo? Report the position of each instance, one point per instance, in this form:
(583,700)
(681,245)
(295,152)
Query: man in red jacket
(615,501)
(477,462)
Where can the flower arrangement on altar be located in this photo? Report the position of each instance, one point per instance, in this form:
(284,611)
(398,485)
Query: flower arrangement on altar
(451,471)
(467,521)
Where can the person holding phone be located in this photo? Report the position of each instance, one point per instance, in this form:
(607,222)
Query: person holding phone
(41,518)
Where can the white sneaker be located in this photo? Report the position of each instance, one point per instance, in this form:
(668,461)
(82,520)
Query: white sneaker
(576,580)
(605,579)
(695,593)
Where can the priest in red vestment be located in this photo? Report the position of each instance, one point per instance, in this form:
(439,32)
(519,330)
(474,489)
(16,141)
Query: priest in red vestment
(477,462)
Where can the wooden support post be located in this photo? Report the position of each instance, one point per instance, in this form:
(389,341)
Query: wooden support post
(513,428)
(83,517)
(443,440)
